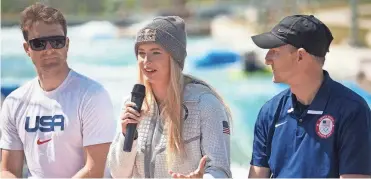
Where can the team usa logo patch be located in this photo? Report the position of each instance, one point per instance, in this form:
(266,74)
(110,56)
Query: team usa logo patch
(325,126)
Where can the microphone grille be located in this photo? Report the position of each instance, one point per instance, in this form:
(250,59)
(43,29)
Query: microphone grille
(139,89)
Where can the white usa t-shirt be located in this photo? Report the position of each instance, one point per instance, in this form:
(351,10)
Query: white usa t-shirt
(53,127)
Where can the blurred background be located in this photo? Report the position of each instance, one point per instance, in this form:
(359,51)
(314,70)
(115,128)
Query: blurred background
(220,50)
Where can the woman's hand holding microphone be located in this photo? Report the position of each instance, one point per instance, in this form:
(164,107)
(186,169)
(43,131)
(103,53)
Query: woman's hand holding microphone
(129,115)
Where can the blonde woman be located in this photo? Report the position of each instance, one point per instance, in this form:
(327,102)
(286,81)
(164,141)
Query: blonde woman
(183,129)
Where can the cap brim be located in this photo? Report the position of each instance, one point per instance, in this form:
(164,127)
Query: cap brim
(267,41)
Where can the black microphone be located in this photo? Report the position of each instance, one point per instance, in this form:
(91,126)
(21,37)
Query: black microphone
(137,96)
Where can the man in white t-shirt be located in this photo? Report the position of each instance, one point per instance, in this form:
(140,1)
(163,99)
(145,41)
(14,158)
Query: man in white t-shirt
(61,122)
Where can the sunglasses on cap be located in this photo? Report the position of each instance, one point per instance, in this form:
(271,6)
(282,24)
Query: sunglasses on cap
(38,44)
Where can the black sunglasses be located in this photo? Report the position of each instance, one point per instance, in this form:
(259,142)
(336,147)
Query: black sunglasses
(39,44)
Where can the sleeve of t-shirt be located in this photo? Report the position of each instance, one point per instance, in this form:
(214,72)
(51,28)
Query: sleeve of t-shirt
(355,143)
(98,123)
(259,155)
(9,134)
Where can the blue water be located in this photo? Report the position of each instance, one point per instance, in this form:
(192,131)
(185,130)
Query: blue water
(111,61)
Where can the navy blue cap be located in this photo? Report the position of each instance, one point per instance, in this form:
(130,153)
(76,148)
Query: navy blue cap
(300,31)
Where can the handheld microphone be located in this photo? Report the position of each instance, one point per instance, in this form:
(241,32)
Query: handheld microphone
(137,96)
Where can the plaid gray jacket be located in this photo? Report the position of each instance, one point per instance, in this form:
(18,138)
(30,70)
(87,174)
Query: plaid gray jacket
(205,132)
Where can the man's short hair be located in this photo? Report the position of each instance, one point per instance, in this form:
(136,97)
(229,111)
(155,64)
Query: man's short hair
(317,58)
(41,12)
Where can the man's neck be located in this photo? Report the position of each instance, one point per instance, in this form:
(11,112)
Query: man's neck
(50,80)
(307,88)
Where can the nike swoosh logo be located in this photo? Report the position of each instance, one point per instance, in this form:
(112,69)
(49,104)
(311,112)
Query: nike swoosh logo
(39,142)
(282,123)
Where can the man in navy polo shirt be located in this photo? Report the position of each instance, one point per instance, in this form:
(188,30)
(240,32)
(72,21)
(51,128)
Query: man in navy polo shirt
(317,128)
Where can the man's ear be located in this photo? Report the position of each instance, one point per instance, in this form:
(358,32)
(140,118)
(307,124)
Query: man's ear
(67,43)
(301,53)
(26,48)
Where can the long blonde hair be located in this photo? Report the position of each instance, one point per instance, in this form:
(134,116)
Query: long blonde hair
(171,107)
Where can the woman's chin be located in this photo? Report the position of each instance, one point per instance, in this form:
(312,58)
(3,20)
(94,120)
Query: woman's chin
(149,79)
(152,80)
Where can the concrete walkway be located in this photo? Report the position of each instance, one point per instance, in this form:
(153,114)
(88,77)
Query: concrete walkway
(344,62)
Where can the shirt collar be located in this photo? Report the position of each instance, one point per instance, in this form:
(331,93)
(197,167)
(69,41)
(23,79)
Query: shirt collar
(320,100)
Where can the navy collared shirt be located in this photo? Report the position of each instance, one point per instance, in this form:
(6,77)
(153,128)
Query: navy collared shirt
(330,138)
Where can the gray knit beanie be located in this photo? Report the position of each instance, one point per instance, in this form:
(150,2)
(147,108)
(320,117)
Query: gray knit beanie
(169,32)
